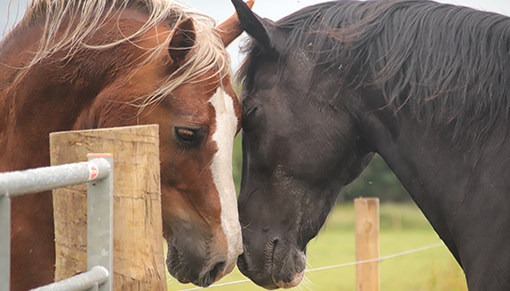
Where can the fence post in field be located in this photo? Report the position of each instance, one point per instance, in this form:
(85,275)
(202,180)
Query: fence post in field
(367,243)
(138,259)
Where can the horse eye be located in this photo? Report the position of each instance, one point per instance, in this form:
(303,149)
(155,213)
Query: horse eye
(248,116)
(185,135)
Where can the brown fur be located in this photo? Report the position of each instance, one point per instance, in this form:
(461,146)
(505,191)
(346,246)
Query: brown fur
(83,87)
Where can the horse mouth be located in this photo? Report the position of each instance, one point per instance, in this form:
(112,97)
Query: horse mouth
(282,283)
(185,274)
(272,276)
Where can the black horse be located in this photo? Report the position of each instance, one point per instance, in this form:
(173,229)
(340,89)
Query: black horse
(425,85)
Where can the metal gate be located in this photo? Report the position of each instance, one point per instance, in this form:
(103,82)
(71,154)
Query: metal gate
(97,172)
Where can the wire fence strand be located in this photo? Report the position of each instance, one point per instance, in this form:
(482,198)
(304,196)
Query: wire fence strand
(380,259)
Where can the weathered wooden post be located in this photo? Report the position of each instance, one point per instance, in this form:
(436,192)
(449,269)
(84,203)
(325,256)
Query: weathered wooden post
(138,244)
(367,243)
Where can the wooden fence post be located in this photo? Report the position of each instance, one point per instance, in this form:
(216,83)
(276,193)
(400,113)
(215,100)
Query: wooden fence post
(367,243)
(138,261)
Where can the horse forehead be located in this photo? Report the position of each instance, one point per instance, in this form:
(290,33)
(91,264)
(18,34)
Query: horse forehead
(203,89)
(193,98)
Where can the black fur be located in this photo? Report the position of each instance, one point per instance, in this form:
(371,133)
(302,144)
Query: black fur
(445,64)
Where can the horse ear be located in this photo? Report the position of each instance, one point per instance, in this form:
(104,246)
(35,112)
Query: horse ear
(231,29)
(183,40)
(253,24)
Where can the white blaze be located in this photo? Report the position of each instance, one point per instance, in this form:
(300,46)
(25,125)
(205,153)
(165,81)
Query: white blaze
(221,168)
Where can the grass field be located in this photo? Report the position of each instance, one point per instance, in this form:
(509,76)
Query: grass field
(403,228)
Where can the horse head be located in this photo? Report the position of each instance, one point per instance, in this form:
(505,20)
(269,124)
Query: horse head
(185,88)
(299,149)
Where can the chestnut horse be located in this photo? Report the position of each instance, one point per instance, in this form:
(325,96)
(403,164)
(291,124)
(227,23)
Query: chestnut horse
(87,64)
(425,85)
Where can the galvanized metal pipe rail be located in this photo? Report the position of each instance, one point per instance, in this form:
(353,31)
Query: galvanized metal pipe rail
(98,173)
(19,183)
(86,281)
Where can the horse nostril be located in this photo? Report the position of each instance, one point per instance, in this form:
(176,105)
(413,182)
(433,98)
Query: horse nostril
(270,248)
(242,264)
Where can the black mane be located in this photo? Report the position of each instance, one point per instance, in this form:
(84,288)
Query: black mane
(449,66)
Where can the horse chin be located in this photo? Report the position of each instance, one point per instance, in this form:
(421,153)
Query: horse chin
(286,285)
(297,279)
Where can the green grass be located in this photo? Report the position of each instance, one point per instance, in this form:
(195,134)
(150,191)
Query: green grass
(403,228)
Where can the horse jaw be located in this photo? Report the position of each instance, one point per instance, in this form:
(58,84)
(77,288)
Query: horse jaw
(231,28)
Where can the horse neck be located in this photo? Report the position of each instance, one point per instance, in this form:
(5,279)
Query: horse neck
(438,174)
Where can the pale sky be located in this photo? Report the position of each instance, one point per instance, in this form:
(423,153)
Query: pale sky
(272,9)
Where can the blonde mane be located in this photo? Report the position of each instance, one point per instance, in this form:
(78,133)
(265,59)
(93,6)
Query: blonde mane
(86,16)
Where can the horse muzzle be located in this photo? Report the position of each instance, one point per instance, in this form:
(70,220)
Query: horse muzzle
(189,266)
(279,265)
